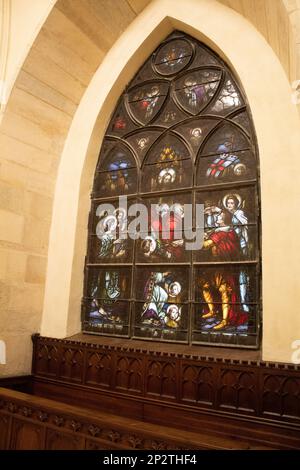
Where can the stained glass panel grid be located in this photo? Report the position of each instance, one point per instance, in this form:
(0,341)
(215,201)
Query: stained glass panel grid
(181,134)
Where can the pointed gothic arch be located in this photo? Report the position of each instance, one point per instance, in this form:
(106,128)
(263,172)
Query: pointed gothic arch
(153,287)
(274,117)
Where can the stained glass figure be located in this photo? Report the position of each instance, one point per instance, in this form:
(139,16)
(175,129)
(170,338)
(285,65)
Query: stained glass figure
(163,293)
(146,101)
(165,240)
(181,143)
(116,174)
(230,225)
(168,247)
(220,166)
(240,204)
(173,279)
(110,241)
(225,286)
(194,90)
(111,283)
(172,57)
(227,242)
(243,334)
(196,131)
(167,166)
(142,141)
(224,297)
(105,308)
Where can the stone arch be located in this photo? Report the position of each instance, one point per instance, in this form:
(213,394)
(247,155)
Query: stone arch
(274,119)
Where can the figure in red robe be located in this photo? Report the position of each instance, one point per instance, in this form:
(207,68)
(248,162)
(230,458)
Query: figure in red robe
(223,286)
(168,227)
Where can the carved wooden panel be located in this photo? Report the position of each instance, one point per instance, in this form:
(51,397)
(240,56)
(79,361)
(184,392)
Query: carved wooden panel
(99,368)
(4,428)
(290,397)
(71,366)
(129,371)
(281,396)
(26,435)
(91,444)
(161,379)
(236,386)
(237,390)
(45,424)
(197,384)
(47,359)
(36,428)
(57,440)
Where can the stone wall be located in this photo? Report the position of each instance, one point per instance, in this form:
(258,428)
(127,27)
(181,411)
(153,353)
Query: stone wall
(52,82)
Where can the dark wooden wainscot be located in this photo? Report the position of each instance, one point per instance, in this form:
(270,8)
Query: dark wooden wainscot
(225,395)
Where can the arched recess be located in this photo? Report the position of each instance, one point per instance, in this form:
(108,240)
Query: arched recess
(276,122)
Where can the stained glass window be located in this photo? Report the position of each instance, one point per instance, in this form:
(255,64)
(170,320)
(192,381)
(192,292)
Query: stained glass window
(180,141)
